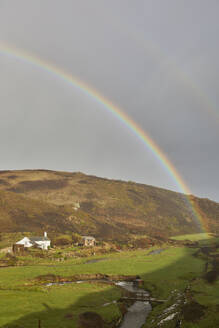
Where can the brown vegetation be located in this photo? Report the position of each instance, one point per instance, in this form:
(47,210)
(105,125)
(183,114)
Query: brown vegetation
(26,186)
(109,209)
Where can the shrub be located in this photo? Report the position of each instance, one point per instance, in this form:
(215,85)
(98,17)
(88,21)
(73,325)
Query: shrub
(62,240)
(76,238)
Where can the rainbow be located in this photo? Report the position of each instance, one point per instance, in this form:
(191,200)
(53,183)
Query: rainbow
(116,112)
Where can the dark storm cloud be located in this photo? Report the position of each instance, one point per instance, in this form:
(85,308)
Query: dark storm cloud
(156,60)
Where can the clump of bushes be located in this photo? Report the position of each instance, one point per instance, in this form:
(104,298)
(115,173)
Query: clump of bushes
(11,259)
(76,238)
(140,243)
(63,240)
(193,311)
(211,276)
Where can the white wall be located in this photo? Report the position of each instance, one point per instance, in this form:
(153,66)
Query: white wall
(43,244)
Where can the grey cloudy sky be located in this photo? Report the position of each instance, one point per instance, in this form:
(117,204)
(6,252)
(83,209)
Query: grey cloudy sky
(156,60)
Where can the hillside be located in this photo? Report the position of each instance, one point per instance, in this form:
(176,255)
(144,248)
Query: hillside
(32,200)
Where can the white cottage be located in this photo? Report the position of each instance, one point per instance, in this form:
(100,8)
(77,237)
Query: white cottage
(41,242)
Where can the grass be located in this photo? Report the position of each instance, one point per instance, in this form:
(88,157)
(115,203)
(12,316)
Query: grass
(124,263)
(206,294)
(194,237)
(199,237)
(59,306)
(22,303)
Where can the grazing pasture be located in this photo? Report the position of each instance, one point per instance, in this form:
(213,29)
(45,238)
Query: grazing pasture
(24,301)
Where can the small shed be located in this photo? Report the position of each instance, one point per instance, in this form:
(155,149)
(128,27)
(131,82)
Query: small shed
(88,241)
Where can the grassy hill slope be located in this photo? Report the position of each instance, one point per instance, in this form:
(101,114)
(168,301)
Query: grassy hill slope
(62,201)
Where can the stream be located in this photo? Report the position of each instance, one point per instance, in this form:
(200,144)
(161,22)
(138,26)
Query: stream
(137,313)
(157,251)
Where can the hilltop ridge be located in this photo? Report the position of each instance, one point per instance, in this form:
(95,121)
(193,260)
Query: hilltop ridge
(110,209)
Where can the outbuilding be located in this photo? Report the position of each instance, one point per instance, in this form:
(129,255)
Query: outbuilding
(88,241)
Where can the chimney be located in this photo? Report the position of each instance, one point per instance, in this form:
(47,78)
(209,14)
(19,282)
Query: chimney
(45,234)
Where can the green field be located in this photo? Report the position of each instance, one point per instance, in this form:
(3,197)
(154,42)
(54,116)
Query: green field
(23,303)
(195,237)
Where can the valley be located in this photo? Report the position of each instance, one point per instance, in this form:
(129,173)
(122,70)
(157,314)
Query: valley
(178,275)
(143,233)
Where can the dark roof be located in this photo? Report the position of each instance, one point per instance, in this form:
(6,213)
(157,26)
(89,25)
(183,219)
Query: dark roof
(33,239)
